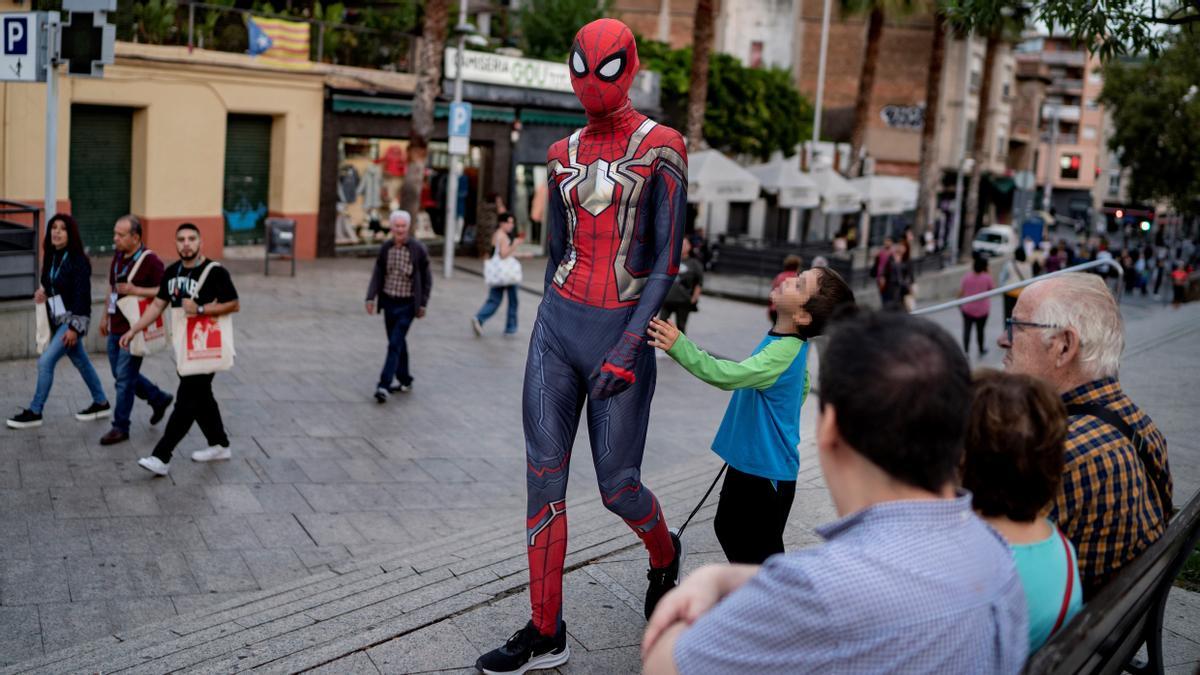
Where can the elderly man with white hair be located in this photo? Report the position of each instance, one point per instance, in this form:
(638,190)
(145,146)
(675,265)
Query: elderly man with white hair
(1115,496)
(402,283)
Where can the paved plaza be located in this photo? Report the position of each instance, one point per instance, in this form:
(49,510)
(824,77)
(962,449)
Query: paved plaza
(357,537)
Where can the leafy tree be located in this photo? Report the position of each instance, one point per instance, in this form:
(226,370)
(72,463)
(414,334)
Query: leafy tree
(1155,109)
(1110,28)
(548,26)
(155,20)
(749,111)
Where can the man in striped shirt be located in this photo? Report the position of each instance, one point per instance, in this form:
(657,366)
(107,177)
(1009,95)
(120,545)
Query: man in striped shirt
(1116,489)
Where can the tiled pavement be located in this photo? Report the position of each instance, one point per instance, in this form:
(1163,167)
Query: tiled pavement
(91,547)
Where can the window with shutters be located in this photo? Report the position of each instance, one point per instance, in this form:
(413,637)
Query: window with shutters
(247,177)
(101,159)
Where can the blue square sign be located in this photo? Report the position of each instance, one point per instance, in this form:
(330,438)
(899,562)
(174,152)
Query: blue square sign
(460,119)
(16,35)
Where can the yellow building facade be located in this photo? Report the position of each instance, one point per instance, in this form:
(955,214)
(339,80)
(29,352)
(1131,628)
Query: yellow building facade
(211,138)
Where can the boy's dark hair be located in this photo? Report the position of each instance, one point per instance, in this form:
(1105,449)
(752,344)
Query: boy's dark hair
(503,216)
(832,293)
(901,388)
(793,263)
(980,264)
(187,226)
(1013,459)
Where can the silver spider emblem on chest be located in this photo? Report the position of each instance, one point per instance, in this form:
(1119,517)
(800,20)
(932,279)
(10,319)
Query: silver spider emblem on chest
(593,188)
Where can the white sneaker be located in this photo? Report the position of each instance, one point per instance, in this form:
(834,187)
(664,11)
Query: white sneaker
(477,327)
(154,465)
(212,454)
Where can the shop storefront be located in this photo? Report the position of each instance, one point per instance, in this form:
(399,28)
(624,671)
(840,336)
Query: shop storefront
(365,160)
(519,108)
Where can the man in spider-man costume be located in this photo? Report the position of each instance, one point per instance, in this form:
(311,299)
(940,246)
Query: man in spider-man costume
(617,202)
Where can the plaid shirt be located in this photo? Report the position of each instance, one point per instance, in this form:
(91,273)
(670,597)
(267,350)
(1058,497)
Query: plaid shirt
(1107,504)
(398,282)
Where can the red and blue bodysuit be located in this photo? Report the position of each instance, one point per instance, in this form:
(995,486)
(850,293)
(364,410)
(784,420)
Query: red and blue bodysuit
(617,204)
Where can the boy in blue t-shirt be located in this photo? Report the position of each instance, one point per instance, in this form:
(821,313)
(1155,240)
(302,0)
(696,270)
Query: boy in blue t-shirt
(759,435)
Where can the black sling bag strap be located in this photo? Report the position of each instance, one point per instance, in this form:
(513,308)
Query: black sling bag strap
(1139,443)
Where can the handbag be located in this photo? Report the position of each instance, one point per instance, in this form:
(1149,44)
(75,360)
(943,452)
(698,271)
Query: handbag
(499,271)
(42,321)
(154,337)
(203,344)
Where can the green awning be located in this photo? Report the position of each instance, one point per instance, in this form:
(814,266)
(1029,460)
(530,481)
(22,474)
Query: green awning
(370,105)
(1002,184)
(555,119)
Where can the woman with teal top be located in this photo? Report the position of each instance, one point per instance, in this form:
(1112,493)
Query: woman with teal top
(65,294)
(1013,465)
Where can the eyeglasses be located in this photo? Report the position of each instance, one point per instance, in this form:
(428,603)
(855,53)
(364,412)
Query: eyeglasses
(1010,322)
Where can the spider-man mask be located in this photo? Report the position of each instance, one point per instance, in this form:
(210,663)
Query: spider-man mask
(603,61)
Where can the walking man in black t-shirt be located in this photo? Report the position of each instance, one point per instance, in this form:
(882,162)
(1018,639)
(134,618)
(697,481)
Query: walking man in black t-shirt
(194,401)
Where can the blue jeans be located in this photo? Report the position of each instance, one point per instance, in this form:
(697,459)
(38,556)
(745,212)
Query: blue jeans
(49,359)
(126,372)
(495,296)
(397,317)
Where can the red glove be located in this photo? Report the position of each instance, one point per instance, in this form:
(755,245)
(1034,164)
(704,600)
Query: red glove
(615,374)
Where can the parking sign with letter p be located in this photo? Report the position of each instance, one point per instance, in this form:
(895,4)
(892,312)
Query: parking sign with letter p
(16,35)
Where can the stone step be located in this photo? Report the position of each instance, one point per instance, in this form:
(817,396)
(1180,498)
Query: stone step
(311,621)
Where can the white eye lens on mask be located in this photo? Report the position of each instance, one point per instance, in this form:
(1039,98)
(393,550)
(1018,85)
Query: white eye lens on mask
(611,69)
(577,64)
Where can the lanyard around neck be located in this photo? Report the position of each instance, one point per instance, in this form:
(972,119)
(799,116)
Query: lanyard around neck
(56,269)
(120,271)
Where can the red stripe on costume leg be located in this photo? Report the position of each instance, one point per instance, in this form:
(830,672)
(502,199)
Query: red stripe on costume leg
(547,549)
(657,539)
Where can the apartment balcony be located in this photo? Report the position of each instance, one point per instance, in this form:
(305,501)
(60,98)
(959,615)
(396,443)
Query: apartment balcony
(1064,58)
(1067,86)
(1061,139)
(1066,113)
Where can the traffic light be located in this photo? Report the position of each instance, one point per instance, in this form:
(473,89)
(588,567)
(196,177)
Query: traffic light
(1145,226)
(87,37)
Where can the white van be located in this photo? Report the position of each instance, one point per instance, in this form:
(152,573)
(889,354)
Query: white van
(995,241)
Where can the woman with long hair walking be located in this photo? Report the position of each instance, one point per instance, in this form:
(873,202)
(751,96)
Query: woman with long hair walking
(65,294)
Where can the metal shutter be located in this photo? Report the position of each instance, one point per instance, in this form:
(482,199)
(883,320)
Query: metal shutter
(247,177)
(101,160)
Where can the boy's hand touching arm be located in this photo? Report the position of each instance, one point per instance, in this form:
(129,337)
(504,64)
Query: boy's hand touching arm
(662,334)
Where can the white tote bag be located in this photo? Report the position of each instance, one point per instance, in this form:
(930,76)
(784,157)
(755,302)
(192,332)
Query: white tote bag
(42,321)
(203,344)
(154,337)
(499,271)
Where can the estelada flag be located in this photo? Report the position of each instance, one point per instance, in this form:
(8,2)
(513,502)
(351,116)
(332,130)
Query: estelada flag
(279,42)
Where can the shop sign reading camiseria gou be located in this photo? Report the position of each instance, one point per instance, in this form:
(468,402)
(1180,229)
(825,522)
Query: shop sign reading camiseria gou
(509,71)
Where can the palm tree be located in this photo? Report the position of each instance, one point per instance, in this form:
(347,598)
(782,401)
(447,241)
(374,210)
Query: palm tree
(1003,25)
(877,11)
(430,46)
(979,153)
(929,172)
(702,38)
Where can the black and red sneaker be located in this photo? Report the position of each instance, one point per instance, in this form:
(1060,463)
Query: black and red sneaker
(527,650)
(662,580)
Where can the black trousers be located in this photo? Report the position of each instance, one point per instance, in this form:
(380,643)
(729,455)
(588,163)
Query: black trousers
(194,402)
(978,323)
(751,516)
(679,310)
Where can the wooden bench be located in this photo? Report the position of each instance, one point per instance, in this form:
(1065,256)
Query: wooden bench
(1107,634)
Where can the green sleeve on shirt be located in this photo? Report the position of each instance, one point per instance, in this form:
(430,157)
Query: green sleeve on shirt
(760,371)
